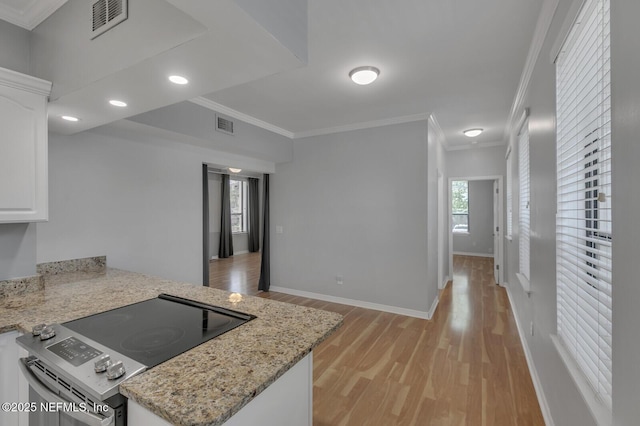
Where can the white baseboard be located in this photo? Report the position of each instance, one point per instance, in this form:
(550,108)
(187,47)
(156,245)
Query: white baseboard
(542,400)
(464,253)
(434,306)
(443,284)
(359,303)
(241,252)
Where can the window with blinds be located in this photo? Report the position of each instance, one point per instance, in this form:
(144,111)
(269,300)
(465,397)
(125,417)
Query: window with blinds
(509,194)
(525,202)
(583,223)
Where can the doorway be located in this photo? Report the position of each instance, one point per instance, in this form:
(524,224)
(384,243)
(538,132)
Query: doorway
(476,231)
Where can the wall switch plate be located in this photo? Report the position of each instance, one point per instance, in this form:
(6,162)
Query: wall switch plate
(279,229)
(339,279)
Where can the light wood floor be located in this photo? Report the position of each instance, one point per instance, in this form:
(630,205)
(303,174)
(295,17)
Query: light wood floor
(466,366)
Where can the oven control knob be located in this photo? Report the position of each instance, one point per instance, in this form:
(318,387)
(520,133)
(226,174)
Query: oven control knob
(102,363)
(115,370)
(37,329)
(47,333)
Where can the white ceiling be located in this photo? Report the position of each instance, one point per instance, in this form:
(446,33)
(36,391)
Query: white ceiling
(458,59)
(28,13)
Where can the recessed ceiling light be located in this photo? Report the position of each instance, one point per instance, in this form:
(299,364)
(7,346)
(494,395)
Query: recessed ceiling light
(70,118)
(118,103)
(234,170)
(472,133)
(364,75)
(178,79)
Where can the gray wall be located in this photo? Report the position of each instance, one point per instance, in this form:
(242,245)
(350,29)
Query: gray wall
(17,241)
(479,240)
(625,66)
(477,162)
(135,198)
(14,47)
(355,204)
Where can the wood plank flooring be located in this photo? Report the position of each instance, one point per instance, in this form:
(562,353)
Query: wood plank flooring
(466,366)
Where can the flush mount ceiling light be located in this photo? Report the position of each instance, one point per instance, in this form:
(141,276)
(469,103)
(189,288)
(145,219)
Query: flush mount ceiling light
(472,133)
(70,118)
(178,79)
(364,75)
(117,103)
(234,170)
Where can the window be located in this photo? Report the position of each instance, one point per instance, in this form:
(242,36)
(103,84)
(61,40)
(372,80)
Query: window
(583,224)
(509,194)
(525,205)
(238,193)
(460,205)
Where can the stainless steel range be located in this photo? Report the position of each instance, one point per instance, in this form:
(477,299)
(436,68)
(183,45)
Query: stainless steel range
(75,367)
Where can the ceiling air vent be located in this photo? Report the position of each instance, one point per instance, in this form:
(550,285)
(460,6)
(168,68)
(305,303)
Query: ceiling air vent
(107,14)
(223,125)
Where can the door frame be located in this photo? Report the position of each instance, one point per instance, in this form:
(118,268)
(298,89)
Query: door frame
(500,254)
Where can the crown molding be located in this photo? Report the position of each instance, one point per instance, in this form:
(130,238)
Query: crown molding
(363,125)
(478,145)
(10,78)
(214,106)
(542,28)
(32,14)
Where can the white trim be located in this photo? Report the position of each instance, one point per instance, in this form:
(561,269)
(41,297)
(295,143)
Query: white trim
(240,252)
(569,20)
(32,17)
(597,407)
(524,282)
(363,125)
(478,145)
(24,82)
(437,129)
(214,106)
(464,253)
(537,385)
(444,283)
(542,28)
(434,306)
(359,303)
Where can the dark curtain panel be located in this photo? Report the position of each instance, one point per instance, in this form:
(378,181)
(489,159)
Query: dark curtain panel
(265,267)
(254,215)
(226,238)
(205,225)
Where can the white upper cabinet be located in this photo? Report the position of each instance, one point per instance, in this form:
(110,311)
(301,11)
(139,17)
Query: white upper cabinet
(23,148)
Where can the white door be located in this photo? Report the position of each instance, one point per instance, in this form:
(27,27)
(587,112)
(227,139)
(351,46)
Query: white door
(496,231)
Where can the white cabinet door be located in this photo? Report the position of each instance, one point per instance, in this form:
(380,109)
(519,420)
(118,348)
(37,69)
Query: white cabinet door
(23,148)
(13,387)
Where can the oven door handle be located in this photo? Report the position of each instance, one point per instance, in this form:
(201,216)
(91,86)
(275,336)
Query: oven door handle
(49,396)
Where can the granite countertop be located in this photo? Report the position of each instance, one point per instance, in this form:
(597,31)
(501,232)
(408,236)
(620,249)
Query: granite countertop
(205,385)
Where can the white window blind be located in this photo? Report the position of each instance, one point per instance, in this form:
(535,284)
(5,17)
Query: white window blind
(525,199)
(583,223)
(509,194)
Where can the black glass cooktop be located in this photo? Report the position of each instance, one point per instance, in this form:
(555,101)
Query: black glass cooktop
(156,330)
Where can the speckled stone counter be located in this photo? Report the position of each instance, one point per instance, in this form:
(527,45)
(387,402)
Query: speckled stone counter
(206,385)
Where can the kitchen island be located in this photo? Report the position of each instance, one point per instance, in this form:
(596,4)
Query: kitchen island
(208,384)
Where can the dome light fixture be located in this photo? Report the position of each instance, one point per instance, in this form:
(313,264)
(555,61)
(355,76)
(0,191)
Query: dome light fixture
(472,133)
(118,103)
(234,170)
(178,79)
(70,118)
(364,75)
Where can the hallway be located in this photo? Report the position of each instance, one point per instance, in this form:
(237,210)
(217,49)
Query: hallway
(465,366)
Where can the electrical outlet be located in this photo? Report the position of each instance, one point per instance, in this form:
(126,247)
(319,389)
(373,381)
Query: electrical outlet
(339,279)
(531,328)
